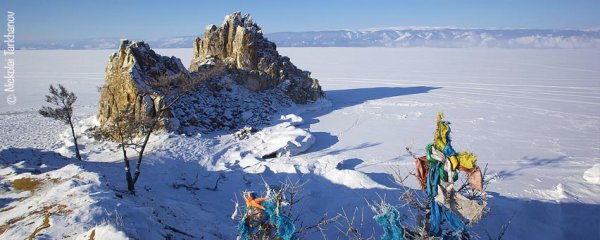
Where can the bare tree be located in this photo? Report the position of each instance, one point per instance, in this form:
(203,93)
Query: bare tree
(133,130)
(63,100)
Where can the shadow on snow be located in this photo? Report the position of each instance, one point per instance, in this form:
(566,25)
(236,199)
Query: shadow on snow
(341,99)
(206,212)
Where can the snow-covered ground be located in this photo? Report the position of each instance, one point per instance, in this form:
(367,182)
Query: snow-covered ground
(532,115)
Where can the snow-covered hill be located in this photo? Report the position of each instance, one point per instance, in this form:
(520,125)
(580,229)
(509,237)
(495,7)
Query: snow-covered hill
(378,37)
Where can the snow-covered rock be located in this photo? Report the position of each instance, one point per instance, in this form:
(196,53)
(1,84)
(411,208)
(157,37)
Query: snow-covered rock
(222,104)
(293,119)
(592,175)
(555,194)
(282,139)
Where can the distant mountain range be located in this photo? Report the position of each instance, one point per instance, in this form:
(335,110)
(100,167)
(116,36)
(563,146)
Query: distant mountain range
(441,37)
(105,43)
(379,37)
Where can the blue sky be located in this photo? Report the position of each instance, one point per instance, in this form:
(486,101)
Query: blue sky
(70,19)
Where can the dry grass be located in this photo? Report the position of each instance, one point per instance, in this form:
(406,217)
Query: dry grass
(45,224)
(7,225)
(92,234)
(33,184)
(48,211)
(60,210)
(26,184)
(7,209)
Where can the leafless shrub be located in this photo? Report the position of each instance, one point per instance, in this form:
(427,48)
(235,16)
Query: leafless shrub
(351,226)
(287,197)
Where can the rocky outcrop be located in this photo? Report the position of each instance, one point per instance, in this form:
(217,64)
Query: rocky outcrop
(129,78)
(252,59)
(238,79)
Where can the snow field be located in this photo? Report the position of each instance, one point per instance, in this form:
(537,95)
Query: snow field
(531,115)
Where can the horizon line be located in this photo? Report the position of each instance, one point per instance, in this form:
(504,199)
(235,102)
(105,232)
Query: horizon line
(370,29)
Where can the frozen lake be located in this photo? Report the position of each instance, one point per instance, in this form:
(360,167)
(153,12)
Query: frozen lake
(532,115)
(512,107)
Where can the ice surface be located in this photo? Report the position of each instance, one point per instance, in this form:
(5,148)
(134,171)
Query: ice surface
(532,115)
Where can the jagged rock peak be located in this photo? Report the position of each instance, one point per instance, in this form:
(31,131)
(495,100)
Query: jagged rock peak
(237,19)
(240,45)
(139,59)
(127,77)
(230,41)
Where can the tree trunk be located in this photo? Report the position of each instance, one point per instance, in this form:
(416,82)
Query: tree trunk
(130,183)
(74,139)
(141,155)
